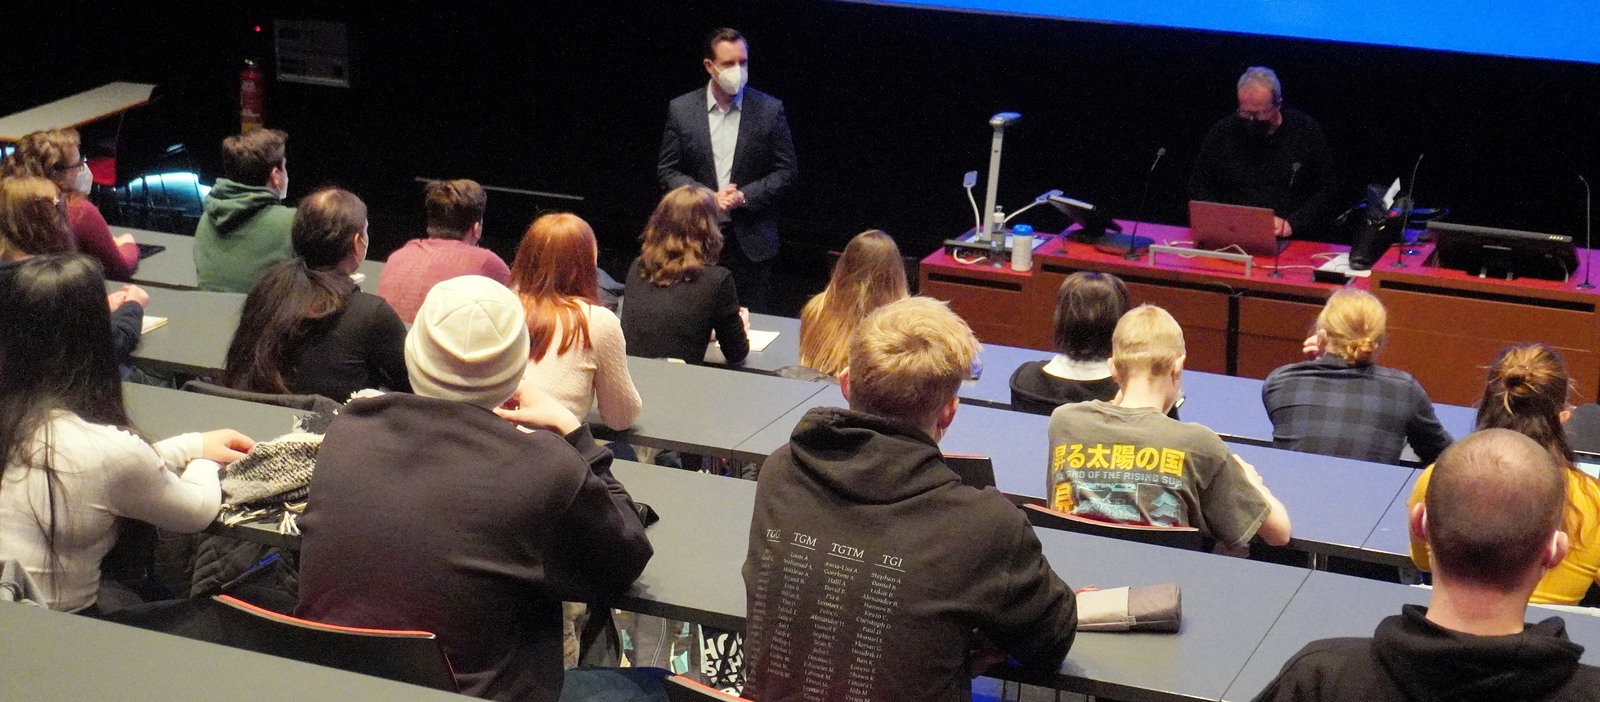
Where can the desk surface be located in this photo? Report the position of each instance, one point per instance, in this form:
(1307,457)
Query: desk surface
(53,656)
(1334,504)
(87,106)
(1229,605)
(695,575)
(1330,605)
(1391,540)
(706,410)
(199,328)
(162,413)
(174,267)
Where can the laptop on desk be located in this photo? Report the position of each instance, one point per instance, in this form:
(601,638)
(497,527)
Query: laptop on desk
(1217,226)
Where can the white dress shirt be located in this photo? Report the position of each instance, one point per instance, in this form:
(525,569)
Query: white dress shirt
(724,133)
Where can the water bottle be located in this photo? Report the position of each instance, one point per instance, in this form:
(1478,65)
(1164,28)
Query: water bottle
(1022,247)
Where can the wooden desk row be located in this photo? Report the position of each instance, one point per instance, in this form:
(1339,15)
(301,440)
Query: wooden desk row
(1445,326)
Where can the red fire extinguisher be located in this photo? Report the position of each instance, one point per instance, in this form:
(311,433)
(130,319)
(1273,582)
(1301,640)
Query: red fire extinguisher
(251,100)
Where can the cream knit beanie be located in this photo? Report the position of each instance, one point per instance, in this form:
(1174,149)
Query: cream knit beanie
(469,342)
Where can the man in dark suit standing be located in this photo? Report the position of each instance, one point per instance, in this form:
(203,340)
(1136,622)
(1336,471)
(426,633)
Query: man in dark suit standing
(734,140)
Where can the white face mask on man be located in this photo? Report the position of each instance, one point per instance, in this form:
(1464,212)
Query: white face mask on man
(733,79)
(84,181)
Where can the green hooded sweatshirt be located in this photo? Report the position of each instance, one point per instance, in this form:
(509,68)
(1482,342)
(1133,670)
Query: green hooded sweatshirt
(243,232)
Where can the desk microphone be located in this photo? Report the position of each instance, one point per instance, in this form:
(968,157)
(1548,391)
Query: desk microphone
(1588,233)
(1277,253)
(1407,202)
(1148,175)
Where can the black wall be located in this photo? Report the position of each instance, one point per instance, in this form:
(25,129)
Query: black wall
(888,107)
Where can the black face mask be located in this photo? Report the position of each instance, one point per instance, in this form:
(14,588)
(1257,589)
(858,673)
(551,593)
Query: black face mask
(1258,128)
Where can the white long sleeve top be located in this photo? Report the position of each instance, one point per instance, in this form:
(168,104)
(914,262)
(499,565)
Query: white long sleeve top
(104,473)
(579,378)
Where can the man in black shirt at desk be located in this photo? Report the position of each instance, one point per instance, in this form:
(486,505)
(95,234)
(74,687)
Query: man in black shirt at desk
(1268,156)
(1493,516)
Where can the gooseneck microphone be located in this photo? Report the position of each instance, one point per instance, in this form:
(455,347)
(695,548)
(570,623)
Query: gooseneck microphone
(1407,202)
(1277,248)
(1588,234)
(1144,196)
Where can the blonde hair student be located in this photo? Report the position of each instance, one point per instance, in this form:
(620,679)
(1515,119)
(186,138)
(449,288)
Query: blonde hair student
(1126,462)
(1527,392)
(1351,325)
(907,359)
(868,275)
(1340,402)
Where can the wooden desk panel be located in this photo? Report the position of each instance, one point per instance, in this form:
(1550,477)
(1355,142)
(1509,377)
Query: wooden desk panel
(1446,327)
(1272,331)
(1203,316)
(998,303)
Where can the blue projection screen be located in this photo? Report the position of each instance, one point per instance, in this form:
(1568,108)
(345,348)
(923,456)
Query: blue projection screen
(1567,30)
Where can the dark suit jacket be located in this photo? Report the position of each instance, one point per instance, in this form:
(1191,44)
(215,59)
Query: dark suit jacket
(763,162)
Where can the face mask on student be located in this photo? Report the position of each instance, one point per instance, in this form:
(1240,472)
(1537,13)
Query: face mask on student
(733,79)
(85,179)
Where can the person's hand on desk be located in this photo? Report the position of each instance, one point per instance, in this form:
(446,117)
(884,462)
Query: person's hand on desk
(744,316)
(123,240)
(1281,228)
(128,293)
(535,408)
(225,445)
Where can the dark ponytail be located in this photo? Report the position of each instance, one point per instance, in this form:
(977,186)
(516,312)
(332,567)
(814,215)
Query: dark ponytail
(297,294)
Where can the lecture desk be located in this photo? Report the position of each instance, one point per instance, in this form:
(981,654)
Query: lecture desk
(174,266)
(701,541)
(704,410)
(50,656)
(1231,605)
(200,324)
(75,110)
(1390,542)
(1335,503)
(162,413)
(1229,405)
(199,328)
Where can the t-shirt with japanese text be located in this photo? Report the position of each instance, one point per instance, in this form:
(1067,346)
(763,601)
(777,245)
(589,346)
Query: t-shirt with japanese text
(1138,466)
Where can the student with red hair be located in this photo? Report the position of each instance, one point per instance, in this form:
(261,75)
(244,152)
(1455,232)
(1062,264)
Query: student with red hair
(577,354)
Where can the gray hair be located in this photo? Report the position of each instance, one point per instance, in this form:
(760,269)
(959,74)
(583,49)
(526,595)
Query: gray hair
(1262,77)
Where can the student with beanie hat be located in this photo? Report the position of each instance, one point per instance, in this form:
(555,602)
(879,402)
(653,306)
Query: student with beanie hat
(430,512)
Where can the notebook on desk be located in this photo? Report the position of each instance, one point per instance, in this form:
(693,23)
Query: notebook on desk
(152,323)
(759,341)
(1215,226)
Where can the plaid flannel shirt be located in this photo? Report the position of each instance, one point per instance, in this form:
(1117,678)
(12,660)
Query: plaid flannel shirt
(1364,411)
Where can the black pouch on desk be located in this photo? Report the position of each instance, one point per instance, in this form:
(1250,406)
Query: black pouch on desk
(1150,608)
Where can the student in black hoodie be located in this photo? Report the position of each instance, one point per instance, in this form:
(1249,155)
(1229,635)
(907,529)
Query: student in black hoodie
(872,572)
(1492,516)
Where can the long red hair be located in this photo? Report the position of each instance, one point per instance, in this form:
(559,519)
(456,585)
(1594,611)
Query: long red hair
(554,275)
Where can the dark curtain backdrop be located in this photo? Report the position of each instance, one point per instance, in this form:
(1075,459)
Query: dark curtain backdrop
(888,107)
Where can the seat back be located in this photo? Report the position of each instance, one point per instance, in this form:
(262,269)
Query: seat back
(682,689)
(1188,538)
(405,656)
